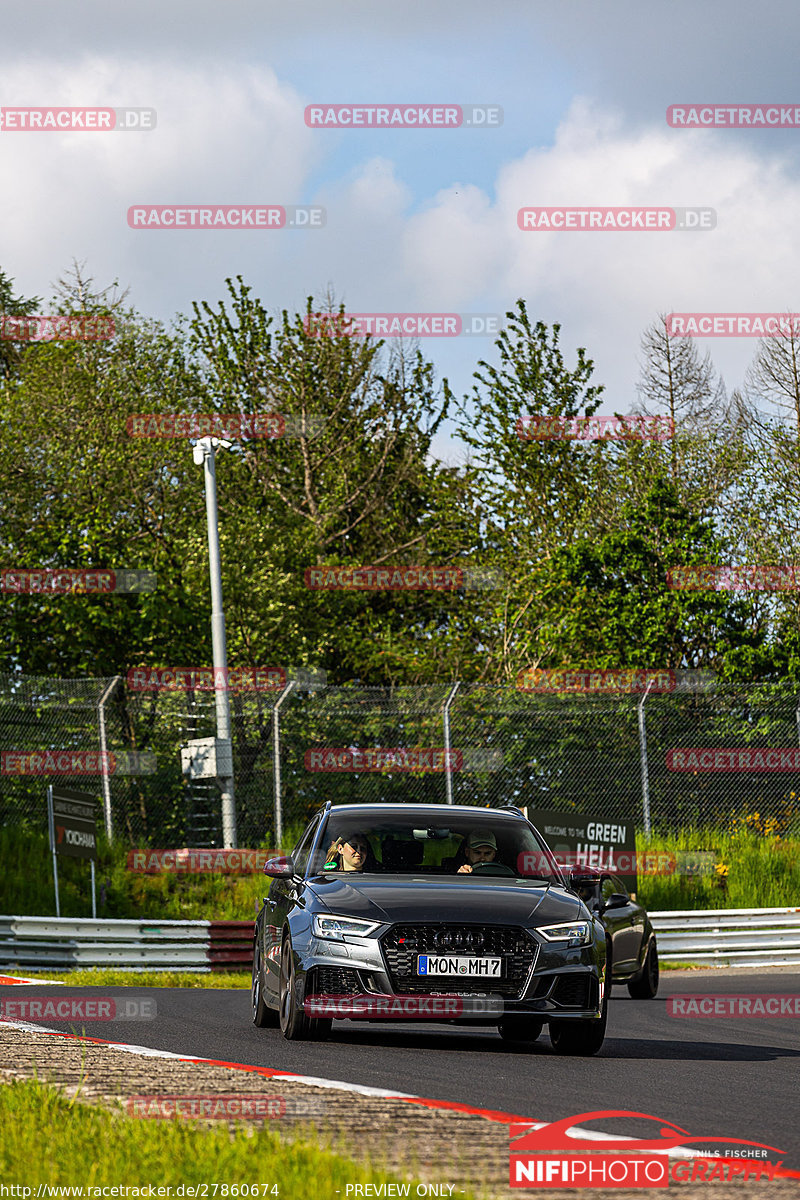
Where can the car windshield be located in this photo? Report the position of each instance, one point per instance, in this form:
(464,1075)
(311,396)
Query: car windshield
(468,846)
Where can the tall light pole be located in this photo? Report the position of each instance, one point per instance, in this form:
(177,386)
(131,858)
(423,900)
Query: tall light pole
(204,453)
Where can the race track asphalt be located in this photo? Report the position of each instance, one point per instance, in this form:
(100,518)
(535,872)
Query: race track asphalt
(722,1076)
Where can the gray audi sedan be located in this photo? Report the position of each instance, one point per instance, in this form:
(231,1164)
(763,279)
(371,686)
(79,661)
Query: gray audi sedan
(405,912)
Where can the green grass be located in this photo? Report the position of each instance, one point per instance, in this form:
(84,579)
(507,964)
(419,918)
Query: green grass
(48,1138)
(26,885)
(757,871)
(118,977)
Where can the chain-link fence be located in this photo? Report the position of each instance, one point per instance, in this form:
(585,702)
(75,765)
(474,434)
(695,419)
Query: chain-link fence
(690,757)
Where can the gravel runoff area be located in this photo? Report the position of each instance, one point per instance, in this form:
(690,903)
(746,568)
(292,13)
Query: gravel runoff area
(434,1145)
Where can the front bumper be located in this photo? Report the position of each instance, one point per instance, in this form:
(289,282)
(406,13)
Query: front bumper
(368,979)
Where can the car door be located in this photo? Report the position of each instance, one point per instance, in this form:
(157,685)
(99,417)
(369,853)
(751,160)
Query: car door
(278,903)
(624,925)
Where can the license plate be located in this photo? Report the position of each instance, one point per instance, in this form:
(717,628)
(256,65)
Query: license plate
(459,964)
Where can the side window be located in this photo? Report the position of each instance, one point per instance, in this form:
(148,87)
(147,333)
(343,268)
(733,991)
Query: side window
(610,886)
(303,848)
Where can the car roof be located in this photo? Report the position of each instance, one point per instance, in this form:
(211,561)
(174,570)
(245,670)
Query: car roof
(390,809)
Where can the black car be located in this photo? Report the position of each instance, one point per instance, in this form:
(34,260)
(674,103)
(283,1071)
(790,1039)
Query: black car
(634,953)
(444,912)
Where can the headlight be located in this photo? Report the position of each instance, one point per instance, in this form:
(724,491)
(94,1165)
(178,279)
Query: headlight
(574,933)
(337,927)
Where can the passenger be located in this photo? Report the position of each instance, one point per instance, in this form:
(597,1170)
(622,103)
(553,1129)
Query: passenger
(478,848)
(352,853)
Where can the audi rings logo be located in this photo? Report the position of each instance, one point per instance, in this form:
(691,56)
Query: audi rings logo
(459,939)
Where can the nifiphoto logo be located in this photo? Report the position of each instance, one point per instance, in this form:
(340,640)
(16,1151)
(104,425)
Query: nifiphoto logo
(77,120)
(403,116)
(630,427)
(549,1155)
(741,324)
(402,324)
(226,216)
(615,219)
(74,327)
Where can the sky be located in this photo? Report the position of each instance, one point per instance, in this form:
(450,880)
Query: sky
(416,220)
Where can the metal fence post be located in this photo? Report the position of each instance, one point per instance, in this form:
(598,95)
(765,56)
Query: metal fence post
(643,755)
(101,711)
(276,761)
(448,770)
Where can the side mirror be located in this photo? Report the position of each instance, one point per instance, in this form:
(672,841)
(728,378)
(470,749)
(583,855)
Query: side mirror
(279,868)
(616,900)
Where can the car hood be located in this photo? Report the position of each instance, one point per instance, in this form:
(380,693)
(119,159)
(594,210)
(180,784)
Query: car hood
(442,900)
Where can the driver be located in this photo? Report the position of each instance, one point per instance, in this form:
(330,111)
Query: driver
(478,848)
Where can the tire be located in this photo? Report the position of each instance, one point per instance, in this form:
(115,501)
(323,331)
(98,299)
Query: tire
(263,1016)
(295,1025)
(645,985)
(519,1028)
(581,1037)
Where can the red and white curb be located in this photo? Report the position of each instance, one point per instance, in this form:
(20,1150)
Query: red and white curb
(10,980)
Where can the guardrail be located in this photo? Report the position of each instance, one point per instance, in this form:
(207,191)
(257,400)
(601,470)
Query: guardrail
(729,937)
(68,942)
(759,937)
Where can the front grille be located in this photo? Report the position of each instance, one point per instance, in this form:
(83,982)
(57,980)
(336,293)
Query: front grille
(403,943)
(333,981)
(575,991)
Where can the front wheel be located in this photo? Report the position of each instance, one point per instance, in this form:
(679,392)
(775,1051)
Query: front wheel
(645,986)
(581,1037)
(295,1025)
